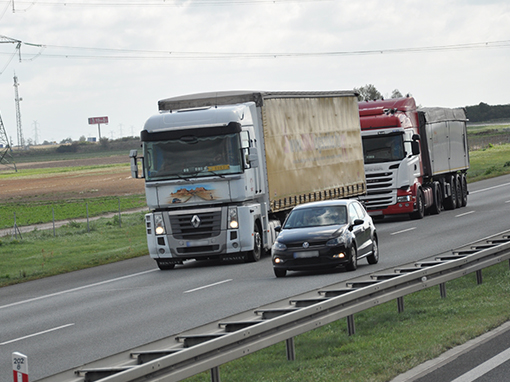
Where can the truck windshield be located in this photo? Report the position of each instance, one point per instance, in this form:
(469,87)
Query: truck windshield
(193,157)
(383,148)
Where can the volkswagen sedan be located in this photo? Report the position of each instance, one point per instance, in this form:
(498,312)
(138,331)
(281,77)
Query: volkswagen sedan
(326,234)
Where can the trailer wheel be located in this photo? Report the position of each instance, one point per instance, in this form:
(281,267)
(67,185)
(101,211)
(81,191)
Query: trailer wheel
(463,186)
(458,189)
(255,254)
(420,206)
(450,203)
(435,209)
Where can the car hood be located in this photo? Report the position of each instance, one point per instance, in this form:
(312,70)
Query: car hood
(310,234)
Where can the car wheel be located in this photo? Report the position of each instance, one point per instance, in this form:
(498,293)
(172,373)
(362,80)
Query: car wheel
(374,257)
(255,254)
(279,272)
(352,265)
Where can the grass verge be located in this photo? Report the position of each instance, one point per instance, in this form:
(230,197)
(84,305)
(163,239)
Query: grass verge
(489,162)
(40,254)
(386,343)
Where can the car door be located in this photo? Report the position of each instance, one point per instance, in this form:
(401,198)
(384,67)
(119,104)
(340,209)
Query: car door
(357,230)
(362,231)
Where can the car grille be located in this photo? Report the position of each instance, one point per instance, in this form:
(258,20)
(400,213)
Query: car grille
(210,225)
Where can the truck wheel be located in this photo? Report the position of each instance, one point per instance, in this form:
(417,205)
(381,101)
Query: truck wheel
(374,257)
(352,265)
(164,265)
(458,188)
(463,186)
(278,272)
(255,254)
(435,209)
(450,203)
(420,206)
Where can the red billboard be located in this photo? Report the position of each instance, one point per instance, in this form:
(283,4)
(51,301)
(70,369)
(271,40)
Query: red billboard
(97,120)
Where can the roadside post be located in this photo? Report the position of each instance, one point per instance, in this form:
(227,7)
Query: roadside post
(19,367)
(98,121)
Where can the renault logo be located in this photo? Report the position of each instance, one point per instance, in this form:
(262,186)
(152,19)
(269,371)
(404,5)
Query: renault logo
(306,244)
(195,221)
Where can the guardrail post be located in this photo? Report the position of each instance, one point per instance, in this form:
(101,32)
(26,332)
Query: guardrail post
(479,279)
(215,374)
(291,351)
(442,290)
(400,304)
(350,325)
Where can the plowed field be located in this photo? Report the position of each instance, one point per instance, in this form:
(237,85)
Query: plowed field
(79,183)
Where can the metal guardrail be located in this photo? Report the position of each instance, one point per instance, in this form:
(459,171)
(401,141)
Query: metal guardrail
(206,348)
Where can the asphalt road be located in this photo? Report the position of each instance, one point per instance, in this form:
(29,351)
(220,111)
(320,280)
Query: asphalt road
(65,321)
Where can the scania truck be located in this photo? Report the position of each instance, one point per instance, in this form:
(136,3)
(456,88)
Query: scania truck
(223,169)
(415,158)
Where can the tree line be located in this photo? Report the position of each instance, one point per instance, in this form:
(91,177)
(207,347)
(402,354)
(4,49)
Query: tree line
(476,113)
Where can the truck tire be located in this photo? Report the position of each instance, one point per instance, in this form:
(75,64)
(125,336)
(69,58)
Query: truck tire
(458,188)
(164,265)
(450,203)
(255,254)
(463,186)
(352,265)
(420,206)
(435,209)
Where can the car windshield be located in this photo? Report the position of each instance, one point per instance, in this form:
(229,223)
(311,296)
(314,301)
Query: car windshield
(198,157)
(316,217)
(383,148)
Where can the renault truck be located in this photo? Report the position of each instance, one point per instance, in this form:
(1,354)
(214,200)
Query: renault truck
(223,169)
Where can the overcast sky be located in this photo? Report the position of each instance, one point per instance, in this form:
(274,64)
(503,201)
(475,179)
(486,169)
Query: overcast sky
(117,58)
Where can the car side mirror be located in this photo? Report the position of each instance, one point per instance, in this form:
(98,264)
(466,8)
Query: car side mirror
(358,221)
(278,228)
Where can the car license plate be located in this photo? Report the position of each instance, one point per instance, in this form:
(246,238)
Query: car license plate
(305,255)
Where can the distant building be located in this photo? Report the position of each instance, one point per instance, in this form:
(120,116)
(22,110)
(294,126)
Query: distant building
(91,139)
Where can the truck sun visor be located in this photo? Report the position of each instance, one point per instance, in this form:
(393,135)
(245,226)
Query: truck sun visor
(232,127)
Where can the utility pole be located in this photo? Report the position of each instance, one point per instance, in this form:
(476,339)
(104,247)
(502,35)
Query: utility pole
(35,133)
(21,140)
(5,148)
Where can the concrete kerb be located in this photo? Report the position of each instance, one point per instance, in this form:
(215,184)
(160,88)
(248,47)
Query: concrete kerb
(60,223)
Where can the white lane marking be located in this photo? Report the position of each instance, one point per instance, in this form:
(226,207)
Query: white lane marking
(490,188)
(208,286)
(508,201)
(35,334)
(484,368)
(404,230)
(76,289)
(464,214)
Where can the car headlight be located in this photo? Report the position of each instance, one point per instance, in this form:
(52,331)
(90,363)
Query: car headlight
(335,242)
(279,246)
(233,223)
(159,225)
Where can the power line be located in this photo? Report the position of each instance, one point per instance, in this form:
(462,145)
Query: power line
(131,54)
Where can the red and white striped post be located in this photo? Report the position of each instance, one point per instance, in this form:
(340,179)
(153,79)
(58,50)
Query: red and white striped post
(19,367)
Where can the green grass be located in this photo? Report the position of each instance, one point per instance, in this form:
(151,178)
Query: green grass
(40,254)
(8,173)
(386,343)
(28,213)
(489,162)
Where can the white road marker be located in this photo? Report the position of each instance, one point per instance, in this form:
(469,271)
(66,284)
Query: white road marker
(35,334)
(464,214)
(208,286)
(404,230)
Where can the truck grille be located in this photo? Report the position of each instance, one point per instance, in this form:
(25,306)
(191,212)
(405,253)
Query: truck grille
(381,191)
(209,225)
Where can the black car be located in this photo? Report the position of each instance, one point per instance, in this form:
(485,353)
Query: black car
(325,234)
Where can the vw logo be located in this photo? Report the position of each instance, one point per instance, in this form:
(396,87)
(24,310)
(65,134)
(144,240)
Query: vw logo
(306,244)
(195,221)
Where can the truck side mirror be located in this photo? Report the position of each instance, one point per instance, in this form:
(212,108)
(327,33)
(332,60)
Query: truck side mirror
(415,146)
(134,164)
(253,157)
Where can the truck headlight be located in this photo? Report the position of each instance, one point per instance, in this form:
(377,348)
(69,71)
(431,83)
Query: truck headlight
(233,223)
(403,199)
(159,225)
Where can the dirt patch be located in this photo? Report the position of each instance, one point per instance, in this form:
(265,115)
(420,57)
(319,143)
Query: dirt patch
(107,181)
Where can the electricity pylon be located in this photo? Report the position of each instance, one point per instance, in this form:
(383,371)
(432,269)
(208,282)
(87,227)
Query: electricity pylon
(5,148)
